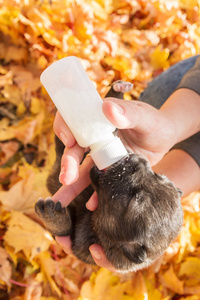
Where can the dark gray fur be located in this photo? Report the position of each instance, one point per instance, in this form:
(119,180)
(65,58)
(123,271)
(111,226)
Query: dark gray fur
(139,212)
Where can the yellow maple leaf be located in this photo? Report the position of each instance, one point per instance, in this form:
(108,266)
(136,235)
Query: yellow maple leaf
(25,235)
(48,269)
(51,39)
(139,287)
(23,195)
(171,281)
(194,297)
(153,292)
(12,94)
(189,235)
(12,255)
(189,4)
(36,105)
(128,69)
(7,17)
(42,62)
(21,109)
(106,286)
(159,58)
(190,267)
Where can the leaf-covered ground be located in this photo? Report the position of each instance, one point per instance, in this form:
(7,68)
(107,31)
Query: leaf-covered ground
(115,39)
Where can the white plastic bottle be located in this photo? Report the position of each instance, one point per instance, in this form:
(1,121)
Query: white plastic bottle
(80,105)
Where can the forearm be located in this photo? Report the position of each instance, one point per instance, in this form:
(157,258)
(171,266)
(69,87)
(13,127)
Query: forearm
(180,168)
(183,109)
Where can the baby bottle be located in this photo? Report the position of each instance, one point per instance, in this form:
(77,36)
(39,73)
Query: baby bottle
(80,106)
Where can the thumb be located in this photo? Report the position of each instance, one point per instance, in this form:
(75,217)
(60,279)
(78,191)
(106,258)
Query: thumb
(122,114)
(137,115)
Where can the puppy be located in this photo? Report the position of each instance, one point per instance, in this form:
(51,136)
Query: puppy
(139,212)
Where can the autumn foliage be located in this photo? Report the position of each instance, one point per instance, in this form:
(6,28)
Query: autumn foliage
(131,40)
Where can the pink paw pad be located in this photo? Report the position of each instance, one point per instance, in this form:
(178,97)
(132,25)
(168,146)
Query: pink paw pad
(122,86)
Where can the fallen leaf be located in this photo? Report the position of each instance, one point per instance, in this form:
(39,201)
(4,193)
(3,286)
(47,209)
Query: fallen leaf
(190,297)
(48,269)
(16,54)
(11,94)
(191,203)
(26,81)
(171,281)
(188,4)
(33,291)
(25,130)
(5,268)
(7,150)
(190,267)
(25,235)
(23,195)
(131,40)
(153,292)
(106,286)
(159,58)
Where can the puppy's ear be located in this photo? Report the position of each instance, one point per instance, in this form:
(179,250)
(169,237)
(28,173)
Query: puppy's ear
(134,252)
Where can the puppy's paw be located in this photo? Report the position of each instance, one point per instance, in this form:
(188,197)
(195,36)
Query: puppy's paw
(55,217)
(122,86)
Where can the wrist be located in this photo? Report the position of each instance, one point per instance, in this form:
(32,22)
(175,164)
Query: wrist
(172,129)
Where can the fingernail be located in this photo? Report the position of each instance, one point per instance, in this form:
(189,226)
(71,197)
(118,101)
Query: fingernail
(119,109)
(57,238)
(63,240)
(96,254)
(63,138)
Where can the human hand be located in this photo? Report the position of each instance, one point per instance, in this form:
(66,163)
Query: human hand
(142,128)
(95,250)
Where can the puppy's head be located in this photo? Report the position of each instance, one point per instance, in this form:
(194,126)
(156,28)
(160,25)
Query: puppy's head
(139,212)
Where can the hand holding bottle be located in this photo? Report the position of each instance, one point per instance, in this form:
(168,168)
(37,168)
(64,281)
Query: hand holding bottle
(142,128)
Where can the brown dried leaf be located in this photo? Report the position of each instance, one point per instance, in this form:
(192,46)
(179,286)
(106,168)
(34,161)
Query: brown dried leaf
(25,130)
(11,94)
(7,150)
(5,268)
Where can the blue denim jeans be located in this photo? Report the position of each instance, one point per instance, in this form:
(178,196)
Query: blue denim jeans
(159,90)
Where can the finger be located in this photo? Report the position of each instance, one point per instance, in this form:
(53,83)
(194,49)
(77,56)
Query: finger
(120,113)
(100,258)
(63,132)
(67,193)
(131,114)
(65,242)
(70,164)
(92,203)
